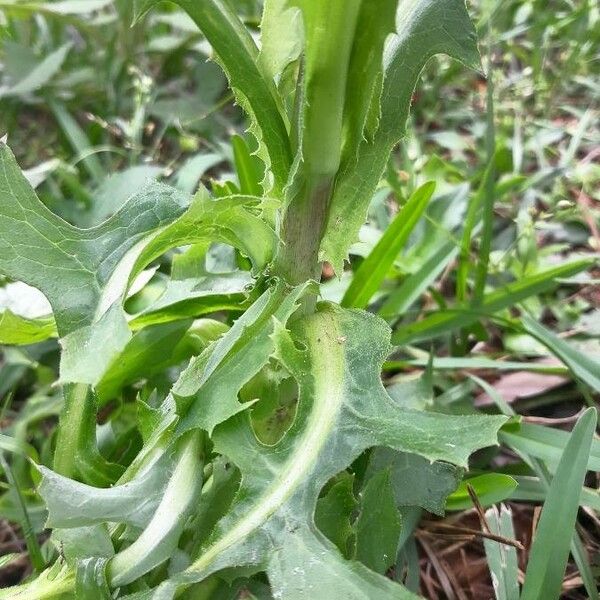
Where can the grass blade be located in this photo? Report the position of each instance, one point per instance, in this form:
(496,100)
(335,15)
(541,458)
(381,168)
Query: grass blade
(489,186)
(376,266)
(451,363)
(550,551)
(401,299)
(583,367)
(502,558)
(31,541)
(532,489)
(545,443)
(78,140)
(445,321)
(248,171)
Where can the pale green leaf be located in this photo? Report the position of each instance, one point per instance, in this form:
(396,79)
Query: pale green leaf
(207,391)
(502,558)
(414,285)
(114,191)
(158,541)
(73,504)
(547,443)
(148,352)
(85,273)
(194,297)
(91,580)
(343,409)
(282,37)
(83,542)
(40,75)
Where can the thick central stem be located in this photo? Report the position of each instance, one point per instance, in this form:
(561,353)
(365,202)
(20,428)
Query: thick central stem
(330,28)
(301,233)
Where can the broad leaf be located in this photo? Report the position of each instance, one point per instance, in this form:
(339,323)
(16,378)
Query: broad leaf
(73,504)
(378,525)
(19,331)
(149,351)
(85,273)
(207,391)
(334,514)
(282,37)
(197,296)
(343,409)
(415,480)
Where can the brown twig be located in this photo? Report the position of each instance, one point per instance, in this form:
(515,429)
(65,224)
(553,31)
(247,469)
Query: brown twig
(476,533)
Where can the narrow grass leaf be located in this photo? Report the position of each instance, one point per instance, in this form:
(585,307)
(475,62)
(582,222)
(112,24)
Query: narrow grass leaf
(41,74)
(376,266)
(78,140)
(446,321)
(584,367)
(409,291)
(490,489)
(545,443)
(531,489)
(550,550)
(502,558)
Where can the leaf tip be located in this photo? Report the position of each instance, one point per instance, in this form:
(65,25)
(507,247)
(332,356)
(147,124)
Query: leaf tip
(140,8)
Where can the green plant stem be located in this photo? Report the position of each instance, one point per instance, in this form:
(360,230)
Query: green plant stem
(70,428)
(301,232)
(330,28)
(159,539)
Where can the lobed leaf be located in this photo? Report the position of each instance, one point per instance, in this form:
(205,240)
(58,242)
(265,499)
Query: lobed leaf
(424,28)
(85,273)
(335,356)
(415,480)
(207,391)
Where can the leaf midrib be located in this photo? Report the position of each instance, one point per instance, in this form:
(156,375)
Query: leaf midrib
(327,367)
